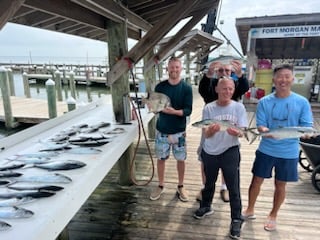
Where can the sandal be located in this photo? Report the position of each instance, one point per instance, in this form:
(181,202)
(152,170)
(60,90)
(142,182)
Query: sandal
(248,216)
(270,225)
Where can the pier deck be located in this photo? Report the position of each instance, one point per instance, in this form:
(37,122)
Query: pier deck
(31,110)
(117,212)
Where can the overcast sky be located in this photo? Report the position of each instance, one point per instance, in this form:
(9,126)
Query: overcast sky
(21,41)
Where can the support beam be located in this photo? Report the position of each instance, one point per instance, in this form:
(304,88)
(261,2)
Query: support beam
(152,37)
(7,9)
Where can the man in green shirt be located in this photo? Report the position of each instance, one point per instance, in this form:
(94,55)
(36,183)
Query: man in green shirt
(171,127)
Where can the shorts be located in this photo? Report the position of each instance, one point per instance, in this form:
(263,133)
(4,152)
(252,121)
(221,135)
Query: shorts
(176,141)
(285,170)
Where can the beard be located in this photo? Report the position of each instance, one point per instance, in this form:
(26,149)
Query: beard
(174,75)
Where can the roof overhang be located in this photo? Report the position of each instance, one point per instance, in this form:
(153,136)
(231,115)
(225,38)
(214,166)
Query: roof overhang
(294,36)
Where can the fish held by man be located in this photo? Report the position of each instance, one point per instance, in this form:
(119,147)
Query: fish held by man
(286,133)
(224,125)
(156,102)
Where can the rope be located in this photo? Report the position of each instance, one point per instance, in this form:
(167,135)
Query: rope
(140,126)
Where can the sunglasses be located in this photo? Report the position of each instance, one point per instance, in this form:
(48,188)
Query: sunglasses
(221,70)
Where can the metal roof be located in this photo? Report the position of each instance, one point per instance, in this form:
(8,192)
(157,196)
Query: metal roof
(281,48)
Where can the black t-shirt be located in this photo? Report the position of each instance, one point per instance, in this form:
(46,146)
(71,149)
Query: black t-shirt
(208,93)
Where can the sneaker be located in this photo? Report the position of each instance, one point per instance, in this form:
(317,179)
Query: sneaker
(182,194)
(235,228)
(202,212)
(224,194)
(199,196)
(156,194)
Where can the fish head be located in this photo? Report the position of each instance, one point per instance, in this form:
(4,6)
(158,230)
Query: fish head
(156,102)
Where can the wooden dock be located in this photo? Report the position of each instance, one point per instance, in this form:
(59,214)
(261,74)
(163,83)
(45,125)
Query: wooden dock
(118,212)
(31,110)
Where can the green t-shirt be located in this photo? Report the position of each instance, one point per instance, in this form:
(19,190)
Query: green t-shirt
(181,98)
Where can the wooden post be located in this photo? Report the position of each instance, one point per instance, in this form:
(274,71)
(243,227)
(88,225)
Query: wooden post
(26,86)
(117,44)
(51,95)
(72,84)
(187,63)
(71,104)
(57,80)
(64,77)
(5,91)
(150,81)
(11,83)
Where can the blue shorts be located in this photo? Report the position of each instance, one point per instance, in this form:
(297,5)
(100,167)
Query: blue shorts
(164,142)
(286,170)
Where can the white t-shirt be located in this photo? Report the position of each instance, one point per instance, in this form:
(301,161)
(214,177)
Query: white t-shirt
(236,113)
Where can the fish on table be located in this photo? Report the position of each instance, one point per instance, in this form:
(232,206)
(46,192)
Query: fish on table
(91,143)
(44,178)
(16,201)
(15,212)
(156,102)
(61,165)
(95,127)
(83,150)
(27,193)
(4,226)
(49,146)
(34,155)
(286,133)
(8,174)
(11,166)
(33,186)
(224,125)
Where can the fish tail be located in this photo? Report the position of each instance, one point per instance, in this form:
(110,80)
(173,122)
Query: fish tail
(255,135)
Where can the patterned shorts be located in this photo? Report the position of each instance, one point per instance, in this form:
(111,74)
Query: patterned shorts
(165,141)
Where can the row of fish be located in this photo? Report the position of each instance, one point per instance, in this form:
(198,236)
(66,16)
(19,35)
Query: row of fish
(20,188)
(277,133)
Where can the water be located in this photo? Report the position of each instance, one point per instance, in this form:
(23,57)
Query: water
(84,95)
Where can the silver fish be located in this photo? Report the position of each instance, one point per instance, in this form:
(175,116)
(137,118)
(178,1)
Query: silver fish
(15,212)
(4,226)
(61,165)
(11,166)
(10,202)
(32,160)
(7,174)
(224,125)
(33,186)
(54,146)
(83,150)
(156,102)
(34,155)
(22,194)
(287,132)
(45,178)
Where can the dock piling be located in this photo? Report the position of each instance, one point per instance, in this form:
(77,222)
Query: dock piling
(51,94)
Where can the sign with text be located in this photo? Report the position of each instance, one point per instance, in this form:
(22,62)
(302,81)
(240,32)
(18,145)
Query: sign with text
(286,31)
